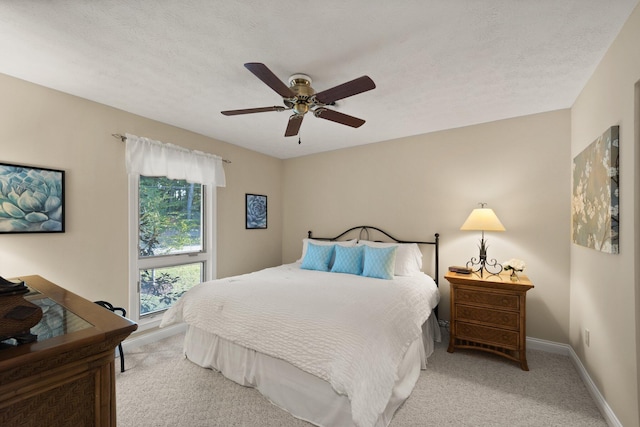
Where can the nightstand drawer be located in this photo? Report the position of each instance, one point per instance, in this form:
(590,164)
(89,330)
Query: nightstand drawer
(488,298)
(506,319)
(492,336)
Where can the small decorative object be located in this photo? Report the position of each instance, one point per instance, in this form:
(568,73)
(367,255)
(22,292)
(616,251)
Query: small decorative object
(256,211)
(595,201)
(12,287)
(460,269)
(516,266)
(31,199)
(17,315)
(483,219)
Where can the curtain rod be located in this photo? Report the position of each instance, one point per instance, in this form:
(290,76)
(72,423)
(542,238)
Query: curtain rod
(124,138)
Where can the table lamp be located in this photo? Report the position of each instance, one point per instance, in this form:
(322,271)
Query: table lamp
(483,219)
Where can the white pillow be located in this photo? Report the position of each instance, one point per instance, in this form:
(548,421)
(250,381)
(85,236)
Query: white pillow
(408,256)
(305,242)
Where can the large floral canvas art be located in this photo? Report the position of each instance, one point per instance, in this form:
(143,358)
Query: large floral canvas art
(256,211)
(595,212)
(31,199)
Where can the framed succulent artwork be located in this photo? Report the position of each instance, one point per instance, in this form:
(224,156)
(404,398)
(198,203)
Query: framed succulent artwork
(31,199)
(596,197)
(256,211)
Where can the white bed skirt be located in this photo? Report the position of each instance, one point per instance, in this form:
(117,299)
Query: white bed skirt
(303,395)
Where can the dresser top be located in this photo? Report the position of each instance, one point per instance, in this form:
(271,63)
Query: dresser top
(502,280)
(83,323)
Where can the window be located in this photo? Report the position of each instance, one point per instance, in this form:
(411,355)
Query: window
(172,234)
(171,223)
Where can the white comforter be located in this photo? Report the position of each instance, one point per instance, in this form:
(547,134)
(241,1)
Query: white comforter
(349,330)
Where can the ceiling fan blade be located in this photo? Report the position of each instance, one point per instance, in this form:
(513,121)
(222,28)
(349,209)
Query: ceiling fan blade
(354,87)
(252,110)
(294,125)
(266,75)
(337,117)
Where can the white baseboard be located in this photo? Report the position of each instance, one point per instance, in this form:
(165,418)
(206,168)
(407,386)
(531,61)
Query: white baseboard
(548,346)
(150,336)
(567,350)
(605,409)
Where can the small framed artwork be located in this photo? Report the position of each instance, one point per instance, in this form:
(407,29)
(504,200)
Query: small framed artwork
(31,199)
(256,211)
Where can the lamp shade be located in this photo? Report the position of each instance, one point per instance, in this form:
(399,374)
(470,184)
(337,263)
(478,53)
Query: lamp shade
(482,219)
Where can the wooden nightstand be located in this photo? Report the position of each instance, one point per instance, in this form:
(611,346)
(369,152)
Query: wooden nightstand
(489,314)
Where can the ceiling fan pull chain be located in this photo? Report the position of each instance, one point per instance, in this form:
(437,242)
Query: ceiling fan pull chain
(299,142)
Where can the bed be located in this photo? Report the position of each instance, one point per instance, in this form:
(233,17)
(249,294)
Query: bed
(337,338)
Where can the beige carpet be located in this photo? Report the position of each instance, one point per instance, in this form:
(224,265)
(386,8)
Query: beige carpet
(162,388)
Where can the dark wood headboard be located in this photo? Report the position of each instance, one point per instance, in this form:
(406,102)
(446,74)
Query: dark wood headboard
(363,233)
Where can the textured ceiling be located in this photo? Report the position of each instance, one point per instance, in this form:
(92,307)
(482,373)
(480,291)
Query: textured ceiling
(437,64)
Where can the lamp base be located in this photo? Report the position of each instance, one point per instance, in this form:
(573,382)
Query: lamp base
(480,264)
(484,269)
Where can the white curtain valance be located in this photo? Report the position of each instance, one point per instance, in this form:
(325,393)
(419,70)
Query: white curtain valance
(147,157)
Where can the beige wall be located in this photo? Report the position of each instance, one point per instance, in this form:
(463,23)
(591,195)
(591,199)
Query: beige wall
(604,288)
(414,187)
(46,128)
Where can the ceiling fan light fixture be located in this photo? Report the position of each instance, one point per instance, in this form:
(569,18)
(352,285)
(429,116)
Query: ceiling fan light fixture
(300,108)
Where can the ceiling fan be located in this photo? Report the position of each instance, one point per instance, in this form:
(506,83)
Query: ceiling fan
(301,98)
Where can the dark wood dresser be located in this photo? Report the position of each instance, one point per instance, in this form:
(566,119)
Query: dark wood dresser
(489,314)
(67,376)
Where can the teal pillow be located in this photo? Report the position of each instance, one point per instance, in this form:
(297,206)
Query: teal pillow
(348,260)
(317,257)
(379,262)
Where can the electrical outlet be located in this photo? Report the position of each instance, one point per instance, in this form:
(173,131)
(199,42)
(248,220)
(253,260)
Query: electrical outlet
(586,337)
